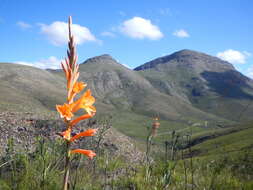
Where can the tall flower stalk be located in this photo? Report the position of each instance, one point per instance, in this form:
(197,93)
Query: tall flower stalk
(151,135)
(68,109)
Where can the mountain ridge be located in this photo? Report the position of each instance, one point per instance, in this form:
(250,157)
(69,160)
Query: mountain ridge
(180,89)
(185,54)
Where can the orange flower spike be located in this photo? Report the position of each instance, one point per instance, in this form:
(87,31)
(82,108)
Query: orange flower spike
(83,117)
(65,111)
(87,133)
(88,153)
(66,134)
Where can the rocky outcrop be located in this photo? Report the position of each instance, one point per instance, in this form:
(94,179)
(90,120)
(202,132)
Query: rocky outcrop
(25,128)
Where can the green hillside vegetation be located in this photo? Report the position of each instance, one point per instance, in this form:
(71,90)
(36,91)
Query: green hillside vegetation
(228,166)
(226,142)
(25,88)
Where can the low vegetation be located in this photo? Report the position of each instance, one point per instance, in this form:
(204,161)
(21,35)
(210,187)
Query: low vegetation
(176,168)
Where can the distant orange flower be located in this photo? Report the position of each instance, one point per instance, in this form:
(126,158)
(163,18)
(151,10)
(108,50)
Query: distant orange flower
(65,111)
(87,133)
(88,153)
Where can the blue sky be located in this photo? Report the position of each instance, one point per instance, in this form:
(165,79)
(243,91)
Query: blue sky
(133,32)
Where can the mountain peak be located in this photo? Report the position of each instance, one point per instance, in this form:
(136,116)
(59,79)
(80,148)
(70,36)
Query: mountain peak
(101,59)
(186,57)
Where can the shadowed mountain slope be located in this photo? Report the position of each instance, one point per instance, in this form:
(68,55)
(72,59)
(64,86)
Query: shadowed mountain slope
(206,82)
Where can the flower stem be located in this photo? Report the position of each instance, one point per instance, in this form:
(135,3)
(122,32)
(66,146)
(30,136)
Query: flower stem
(67,167)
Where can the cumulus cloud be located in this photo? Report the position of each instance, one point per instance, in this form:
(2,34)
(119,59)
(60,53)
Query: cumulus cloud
(108,34)
(50,63)
(23,25)
(57,33)
(233,56)
(181,33)
(140,28)
(247,53)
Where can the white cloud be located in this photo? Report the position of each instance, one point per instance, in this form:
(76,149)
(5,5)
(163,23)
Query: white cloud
(181,33)
(140,28)
(127,66)
(57,33)
(108,34)
(50,63)
(233,56)
(249,72)
(23,25)
(248,54)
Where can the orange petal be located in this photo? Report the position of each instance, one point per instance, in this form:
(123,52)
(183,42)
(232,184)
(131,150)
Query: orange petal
(64,67)
(78,87)
(66,134)
(65,111)
(83,117)
(90,109)
(87,133)
(88,153)
(83,102)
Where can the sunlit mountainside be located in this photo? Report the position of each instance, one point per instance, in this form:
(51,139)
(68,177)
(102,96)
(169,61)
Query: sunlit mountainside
(186,87)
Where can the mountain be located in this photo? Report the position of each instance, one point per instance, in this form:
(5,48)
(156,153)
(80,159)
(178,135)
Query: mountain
(208,83)
(124,89)
(182,89)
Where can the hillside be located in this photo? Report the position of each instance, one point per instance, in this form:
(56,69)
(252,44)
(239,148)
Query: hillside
(25,88)
(184,89)
(208,83)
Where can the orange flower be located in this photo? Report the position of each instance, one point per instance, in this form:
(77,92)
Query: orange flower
(87,133)
(88,153)
(85,102)
(66,134)
(75,121)
(78,87)
(65,111)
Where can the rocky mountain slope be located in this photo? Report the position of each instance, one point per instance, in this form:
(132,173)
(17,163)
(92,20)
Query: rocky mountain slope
(206,82)
(182,88)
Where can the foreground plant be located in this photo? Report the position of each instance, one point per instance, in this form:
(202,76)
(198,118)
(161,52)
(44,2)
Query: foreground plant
(68,109)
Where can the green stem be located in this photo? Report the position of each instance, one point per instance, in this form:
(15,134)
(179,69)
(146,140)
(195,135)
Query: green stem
(67,167)
(149,143)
